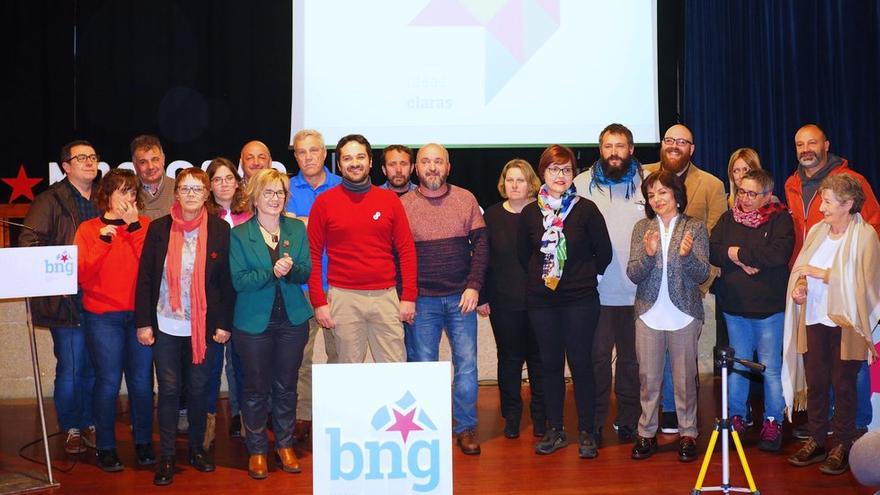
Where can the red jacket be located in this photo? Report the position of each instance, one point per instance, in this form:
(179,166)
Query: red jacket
(794,197)
(108,271)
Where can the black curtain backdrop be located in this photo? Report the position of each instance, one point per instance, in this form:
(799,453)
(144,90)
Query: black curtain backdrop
(208,75)
(756,70)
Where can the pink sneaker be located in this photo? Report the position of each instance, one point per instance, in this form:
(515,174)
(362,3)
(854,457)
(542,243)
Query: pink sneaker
(771,436)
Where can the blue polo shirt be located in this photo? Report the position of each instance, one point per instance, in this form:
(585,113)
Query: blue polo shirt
(302,197)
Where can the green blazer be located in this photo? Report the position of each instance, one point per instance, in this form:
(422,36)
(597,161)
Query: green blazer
(254,282)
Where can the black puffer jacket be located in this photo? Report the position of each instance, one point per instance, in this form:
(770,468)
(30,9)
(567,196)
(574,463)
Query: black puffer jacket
(54,217)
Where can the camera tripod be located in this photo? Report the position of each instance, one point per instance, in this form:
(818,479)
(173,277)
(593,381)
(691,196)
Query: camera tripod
(724,359)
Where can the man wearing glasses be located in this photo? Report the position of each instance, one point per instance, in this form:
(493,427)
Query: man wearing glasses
(706,201)
(157,189)
(361,226)
(52,220)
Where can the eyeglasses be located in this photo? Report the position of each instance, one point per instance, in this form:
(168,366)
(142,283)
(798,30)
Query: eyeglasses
(187,190)
(556,171)
(85,158)
(678,142)
(229,179)
(270,194)
(750,194)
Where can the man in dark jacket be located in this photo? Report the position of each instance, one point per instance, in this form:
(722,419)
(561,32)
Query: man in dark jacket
(52,220)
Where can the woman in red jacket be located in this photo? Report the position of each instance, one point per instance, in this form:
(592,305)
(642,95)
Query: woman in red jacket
(109,253)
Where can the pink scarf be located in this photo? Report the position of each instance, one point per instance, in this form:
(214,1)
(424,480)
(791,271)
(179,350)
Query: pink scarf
(198,300)
(756,218)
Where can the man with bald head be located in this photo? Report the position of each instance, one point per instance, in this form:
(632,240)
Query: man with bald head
(453,252)
(255,156)
(706,201)
(816,162)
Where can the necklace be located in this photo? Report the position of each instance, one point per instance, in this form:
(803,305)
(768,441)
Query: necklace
(272,235)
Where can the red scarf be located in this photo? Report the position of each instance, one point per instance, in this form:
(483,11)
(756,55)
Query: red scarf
(198,300)
(756,218)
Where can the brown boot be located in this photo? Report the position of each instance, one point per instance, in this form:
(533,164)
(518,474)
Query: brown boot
(210,427)
(258,467)
(809,453)
(467,441)
(287,458)
(837,461)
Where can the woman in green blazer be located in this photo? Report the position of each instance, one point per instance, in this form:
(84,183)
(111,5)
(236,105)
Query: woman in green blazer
(269,260)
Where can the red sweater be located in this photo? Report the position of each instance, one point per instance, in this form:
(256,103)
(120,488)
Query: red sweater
(108,270)
(361,233)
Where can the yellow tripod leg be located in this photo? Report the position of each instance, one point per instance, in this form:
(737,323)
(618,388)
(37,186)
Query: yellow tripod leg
(708,457)
(743,461)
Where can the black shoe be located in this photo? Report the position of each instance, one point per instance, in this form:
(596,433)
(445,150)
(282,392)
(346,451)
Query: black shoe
(587,448)
(108,461)
(511,428)
(144,454)
(235,426)
(687,449)
(644,447)
(552,441)
(626,433)
(669,422)
(539,428)
(198,459)
(164,471)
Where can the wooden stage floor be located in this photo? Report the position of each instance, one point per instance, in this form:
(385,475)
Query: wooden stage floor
(505,466)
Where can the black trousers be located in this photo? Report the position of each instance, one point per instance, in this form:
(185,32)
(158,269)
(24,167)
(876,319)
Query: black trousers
(270,364)
(516,344)
(169,355)
(823,369)
(617,328)
(562,332)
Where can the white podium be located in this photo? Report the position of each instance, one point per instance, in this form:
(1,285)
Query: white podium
(33,272)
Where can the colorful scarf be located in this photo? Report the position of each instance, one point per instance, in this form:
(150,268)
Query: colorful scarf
(198,299)
(553,241)
(600,180)
(756,218)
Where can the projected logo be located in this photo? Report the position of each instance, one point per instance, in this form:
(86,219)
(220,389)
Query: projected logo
(515,30)
(407,447)
(60,264)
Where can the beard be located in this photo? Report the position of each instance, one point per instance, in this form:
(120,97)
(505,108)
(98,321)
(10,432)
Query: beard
(615,172)
(358,175)
(809,159)
(433,181)
(398,180)
(674,164)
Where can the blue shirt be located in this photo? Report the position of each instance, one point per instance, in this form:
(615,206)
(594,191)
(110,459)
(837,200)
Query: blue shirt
(302,197)
(410,186)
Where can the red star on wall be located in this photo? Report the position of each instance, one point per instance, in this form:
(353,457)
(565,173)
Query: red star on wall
(22,185)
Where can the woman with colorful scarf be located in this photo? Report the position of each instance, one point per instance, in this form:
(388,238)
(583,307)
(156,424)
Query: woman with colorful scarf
(669,257)
(110,248)
(564,247)
(752,243)
(269,260)
(833,307)
(184,300)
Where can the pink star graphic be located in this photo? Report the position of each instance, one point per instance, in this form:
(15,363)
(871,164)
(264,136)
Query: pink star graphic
(404,424)
(64,258)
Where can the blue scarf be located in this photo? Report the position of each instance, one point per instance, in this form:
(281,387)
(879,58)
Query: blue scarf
(600,180)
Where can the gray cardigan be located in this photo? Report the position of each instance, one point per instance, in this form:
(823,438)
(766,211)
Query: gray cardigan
(684,273)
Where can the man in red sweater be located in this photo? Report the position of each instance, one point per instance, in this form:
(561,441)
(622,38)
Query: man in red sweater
(815,162)
(362,227)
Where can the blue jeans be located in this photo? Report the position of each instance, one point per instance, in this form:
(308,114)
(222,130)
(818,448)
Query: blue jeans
(233,379)
(433,314)
(112,341)
(864,409)
(74,378)
(764,337)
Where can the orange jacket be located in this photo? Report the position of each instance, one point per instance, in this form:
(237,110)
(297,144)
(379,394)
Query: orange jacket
(802,223)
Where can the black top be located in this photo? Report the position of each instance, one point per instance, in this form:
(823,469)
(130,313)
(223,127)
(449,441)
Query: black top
(589,253)
(279,313)
(505,286)
(767,248)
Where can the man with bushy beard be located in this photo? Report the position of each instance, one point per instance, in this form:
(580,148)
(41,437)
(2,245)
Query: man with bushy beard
(815,163)
(706,201)
(614,184)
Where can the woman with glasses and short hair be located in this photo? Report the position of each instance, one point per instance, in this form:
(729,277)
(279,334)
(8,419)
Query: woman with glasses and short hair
(270,260)
(752,244)
(564,247)
(184,301)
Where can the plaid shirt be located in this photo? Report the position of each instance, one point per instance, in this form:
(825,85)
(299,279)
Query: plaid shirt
(87,208)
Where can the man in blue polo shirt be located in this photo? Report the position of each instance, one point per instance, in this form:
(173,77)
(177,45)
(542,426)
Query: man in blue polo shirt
(312,180)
